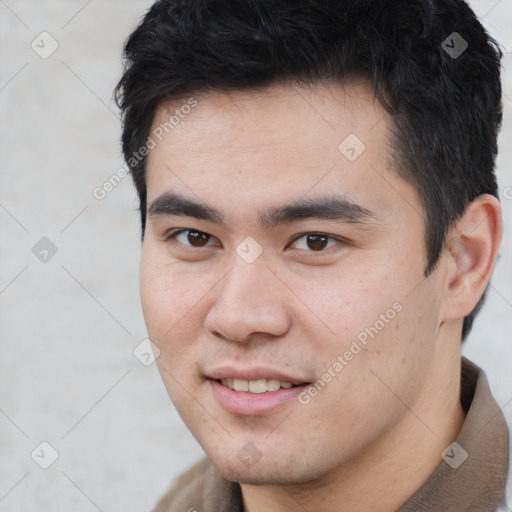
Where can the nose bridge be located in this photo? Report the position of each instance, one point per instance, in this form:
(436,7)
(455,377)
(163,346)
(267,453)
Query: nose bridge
(254,284)
(248,300)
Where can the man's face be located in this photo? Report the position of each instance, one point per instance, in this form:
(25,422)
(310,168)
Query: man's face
(304,265)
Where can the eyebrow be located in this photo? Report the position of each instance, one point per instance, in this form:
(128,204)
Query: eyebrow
(174,204)
(333,207)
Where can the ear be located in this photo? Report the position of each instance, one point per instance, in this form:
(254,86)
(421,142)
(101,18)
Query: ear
(472,249)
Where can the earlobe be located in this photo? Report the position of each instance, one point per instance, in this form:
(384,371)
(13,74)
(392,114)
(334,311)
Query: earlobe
(472,249)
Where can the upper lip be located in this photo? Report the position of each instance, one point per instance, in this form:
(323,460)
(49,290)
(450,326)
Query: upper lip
(252,373)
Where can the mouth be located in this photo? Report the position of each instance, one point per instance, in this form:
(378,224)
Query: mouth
(255,397)
(257,386)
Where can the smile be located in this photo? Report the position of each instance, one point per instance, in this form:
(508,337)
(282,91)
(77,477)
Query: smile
(258,397)
(256,386)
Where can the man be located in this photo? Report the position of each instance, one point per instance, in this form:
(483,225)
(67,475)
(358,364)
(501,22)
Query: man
(320,222)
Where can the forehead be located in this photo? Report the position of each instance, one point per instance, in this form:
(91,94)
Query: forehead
(263,147)
(274,116)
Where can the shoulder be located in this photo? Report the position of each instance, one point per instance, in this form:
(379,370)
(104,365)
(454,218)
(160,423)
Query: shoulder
(202,488)
(187,487)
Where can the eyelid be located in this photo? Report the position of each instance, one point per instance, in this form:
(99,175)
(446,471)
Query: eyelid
(340,240)
(173,233)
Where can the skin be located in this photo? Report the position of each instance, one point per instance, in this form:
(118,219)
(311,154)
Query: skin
(297,307)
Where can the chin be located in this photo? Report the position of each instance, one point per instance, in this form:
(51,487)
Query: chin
(265,472)
(260,476)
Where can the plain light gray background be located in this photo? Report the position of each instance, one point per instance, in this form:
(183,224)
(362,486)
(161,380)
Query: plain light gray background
(68,326)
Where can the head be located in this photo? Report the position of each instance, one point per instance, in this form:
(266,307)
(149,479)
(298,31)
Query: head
(325,158)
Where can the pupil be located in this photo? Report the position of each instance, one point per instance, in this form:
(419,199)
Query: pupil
(317,242)
(197,238)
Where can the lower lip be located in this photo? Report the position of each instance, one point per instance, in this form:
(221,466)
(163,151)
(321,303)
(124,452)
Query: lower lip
(253,404)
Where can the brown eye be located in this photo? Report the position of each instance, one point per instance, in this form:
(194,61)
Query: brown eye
(192,238)
(197,238)
(317,242)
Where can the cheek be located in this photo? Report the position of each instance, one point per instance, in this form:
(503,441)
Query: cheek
(380,320)
(172,301)
(172,309)
(347,303)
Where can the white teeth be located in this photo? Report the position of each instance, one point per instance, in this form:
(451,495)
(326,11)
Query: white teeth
(240,385)
(273,385)
(255,386)
(227,382)
(258,386)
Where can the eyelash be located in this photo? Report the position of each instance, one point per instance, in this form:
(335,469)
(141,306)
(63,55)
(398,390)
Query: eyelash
(171,236)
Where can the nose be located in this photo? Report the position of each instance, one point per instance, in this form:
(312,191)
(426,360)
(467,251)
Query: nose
(248,301)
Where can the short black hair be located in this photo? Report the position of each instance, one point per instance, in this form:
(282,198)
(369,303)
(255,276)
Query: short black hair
(431,64)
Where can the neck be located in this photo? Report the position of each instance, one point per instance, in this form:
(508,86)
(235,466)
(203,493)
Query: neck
(390,471)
